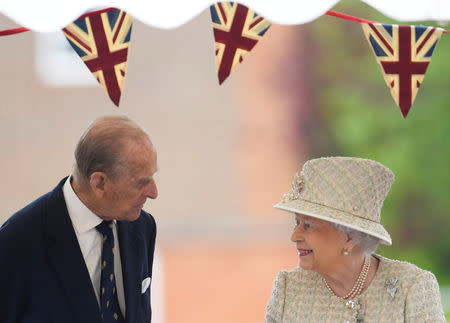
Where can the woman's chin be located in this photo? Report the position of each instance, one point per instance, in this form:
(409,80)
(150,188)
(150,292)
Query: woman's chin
(304,264)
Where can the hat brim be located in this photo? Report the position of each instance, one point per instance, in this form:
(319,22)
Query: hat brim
(336,216)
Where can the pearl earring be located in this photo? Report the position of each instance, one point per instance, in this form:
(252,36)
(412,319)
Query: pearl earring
(346,253)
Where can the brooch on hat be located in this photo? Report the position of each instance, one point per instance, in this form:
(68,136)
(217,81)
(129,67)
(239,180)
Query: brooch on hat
(296,188)
(392,286)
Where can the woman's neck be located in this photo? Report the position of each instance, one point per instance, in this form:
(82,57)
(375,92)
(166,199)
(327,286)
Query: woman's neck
(344,276)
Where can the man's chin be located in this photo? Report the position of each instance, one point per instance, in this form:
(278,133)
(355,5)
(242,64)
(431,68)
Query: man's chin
(131,216)
(134,217)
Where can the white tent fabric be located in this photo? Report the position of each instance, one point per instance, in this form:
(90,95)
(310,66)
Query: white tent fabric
(51,15)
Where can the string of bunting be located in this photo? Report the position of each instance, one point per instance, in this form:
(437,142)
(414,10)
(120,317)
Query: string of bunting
(101,38)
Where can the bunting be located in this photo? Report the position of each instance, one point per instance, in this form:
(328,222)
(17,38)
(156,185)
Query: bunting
(237,30)
(101,39)
(403,53)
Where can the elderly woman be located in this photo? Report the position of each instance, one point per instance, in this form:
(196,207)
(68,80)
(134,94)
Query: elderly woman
(337,202)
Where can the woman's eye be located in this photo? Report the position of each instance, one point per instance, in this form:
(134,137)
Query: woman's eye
(306,226)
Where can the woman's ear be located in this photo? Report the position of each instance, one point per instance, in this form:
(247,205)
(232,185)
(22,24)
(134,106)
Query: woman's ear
(349,243)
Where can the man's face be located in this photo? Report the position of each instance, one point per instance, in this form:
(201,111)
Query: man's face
(125,195)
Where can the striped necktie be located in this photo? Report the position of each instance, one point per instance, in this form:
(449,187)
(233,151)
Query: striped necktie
(109,303)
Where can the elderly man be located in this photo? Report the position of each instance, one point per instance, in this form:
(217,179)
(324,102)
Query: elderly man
(84,251)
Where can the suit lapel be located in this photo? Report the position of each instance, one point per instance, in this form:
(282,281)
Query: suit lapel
(130,242)
(67,261)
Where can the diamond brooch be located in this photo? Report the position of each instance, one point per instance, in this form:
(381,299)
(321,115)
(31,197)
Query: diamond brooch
(296,187)
(392,286)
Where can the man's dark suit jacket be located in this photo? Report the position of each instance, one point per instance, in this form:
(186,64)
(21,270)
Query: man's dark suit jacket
(43,276)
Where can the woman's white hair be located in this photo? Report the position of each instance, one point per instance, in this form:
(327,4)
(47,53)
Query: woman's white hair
(367,243)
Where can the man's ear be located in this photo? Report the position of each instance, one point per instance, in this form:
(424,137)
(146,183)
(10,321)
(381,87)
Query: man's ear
(97,182)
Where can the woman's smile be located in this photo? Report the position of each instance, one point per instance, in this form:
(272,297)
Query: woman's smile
(304,252)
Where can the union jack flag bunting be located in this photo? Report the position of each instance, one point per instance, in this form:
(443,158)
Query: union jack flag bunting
(403,53)
(101,39)
(237,29)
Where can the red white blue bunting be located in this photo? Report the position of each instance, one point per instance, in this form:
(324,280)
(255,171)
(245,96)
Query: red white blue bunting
(237,30)
(101,39)
(403,53)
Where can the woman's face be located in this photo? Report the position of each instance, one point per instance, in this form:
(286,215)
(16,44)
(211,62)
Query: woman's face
(319,244)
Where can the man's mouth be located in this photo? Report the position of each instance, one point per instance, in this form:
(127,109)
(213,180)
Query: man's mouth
(304,252)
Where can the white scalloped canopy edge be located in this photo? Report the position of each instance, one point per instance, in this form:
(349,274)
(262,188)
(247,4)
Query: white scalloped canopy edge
(51,15)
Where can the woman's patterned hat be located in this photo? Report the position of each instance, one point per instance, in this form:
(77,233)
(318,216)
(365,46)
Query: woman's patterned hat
(344,190)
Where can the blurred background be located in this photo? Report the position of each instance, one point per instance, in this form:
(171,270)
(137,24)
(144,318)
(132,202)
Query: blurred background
(228,153)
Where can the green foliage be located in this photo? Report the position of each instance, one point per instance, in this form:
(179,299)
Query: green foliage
(359,118)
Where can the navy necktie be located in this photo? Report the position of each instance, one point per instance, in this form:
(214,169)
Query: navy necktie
(109,303)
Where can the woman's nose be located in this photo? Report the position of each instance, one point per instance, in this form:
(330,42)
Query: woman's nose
(296,234)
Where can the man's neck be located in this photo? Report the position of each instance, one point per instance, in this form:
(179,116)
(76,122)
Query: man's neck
(82,192)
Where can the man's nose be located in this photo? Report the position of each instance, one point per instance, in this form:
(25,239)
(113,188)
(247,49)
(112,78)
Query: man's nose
(152,190)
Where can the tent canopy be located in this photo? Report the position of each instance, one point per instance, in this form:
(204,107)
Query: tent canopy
(51,15)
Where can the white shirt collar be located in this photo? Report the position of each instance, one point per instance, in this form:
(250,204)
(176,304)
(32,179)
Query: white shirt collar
(82,218)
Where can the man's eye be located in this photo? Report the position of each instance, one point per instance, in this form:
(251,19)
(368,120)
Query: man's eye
(142,183)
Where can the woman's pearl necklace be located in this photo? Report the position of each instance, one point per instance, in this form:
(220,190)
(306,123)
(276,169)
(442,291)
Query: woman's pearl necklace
(357,289)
